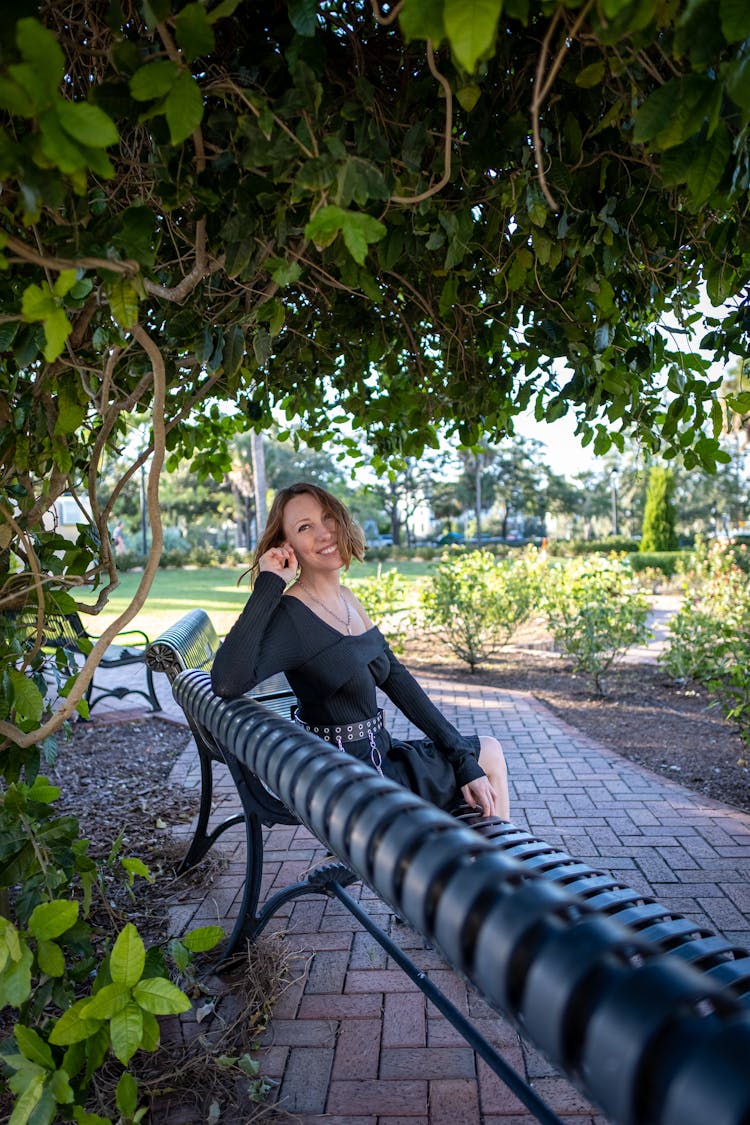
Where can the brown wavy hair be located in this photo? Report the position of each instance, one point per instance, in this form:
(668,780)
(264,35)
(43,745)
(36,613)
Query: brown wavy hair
(350,538)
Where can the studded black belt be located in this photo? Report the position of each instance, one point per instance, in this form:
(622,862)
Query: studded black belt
(344,732)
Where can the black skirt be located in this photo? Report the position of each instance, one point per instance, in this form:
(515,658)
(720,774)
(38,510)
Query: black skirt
(417,764)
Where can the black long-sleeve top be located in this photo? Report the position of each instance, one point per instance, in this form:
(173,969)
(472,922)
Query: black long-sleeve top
(334,676)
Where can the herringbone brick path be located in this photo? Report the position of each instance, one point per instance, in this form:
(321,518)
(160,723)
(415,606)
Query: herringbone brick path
(353,1042)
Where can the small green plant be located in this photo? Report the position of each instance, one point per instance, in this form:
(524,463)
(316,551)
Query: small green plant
(710,634)
(659,515)
(595,612)
(476,603)
(50,1066)
(385,597)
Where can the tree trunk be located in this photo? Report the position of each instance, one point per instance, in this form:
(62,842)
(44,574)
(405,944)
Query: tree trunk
(260,484)
(478,498)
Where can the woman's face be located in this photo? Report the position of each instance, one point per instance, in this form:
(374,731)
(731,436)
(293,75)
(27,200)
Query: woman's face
(312,533)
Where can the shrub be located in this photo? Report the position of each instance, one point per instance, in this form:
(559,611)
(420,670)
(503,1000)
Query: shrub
(613,544)
(668,562)
(476,603)
(385,598)
(659,515)
(595,612)
(710,635)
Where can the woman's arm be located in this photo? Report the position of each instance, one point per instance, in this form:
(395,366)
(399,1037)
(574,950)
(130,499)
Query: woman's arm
(413,701)
(256,646)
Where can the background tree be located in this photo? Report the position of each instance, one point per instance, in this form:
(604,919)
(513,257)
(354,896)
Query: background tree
(266,205)
(659,516)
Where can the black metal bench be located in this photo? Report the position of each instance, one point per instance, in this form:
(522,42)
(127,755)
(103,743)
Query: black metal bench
(192,642)
(65,632)
(644,1010)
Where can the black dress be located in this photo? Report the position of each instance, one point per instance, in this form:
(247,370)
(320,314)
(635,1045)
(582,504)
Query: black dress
(335,678)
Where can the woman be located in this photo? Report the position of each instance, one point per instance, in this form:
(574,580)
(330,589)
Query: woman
(300,620)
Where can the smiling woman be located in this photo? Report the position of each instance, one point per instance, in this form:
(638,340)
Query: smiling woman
(300,620)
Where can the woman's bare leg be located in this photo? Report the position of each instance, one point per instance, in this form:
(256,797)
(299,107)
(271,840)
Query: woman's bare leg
(492,761)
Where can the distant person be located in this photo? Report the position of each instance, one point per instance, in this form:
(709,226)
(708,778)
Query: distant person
(118,538)
(300,620)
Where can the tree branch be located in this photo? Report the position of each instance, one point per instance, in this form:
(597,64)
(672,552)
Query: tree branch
(26,253)
(542,87)
(448,129)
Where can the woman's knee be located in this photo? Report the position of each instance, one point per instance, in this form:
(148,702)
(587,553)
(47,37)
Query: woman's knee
(491,755)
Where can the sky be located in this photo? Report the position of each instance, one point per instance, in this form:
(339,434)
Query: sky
(564,453)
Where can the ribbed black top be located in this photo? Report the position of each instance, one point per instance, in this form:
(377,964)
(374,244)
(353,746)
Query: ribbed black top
(334,676)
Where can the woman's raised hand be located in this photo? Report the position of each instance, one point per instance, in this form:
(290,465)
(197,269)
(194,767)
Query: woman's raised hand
(280,560)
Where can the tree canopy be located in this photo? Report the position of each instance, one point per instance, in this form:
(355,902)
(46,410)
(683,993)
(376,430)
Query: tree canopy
(410,219)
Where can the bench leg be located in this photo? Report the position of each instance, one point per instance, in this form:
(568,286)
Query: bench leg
(246,925)
(202,840)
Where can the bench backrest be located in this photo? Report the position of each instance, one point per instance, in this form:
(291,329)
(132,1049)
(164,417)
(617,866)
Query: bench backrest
(60,630)
(192,642)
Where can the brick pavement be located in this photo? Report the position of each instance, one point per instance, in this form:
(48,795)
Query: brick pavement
(352,1041)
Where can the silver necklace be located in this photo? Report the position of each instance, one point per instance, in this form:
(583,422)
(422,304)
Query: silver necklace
(347,624)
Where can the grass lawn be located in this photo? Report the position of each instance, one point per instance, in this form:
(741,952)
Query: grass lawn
(214,589)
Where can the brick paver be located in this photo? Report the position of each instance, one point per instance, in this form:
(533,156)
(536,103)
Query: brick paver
(352,1041)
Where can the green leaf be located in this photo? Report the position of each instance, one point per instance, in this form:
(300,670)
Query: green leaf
(71,411)
(184,108)
(57,328)
(357,228)
(57,146)
(160,996)
(107,1002)
(676,111)
(40,49)
(359,231)
(302,15)
(591,75)
(154,80)
(28,1101)
(27,698)
(33,1047)
(50,958)
(202,939)
(150,1036)
(16,99)
(36,303)
(224,8)
(709,163)
(234,350)
(135,866)
(123,301)
(738,82)
(471,27)
(87,124)
(734,16)
(73,1026)
(43,792)
(262,346)
(422,19)
(15,980)
(128,956)
(468,96)
(126,1095)
(360,180)
(193,31)
(283,272)
(82,1117)
(51,919)
(66,279)
(325,226)
(126,1030)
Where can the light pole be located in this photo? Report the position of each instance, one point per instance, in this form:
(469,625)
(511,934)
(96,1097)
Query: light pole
(144,522)
(614,480)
